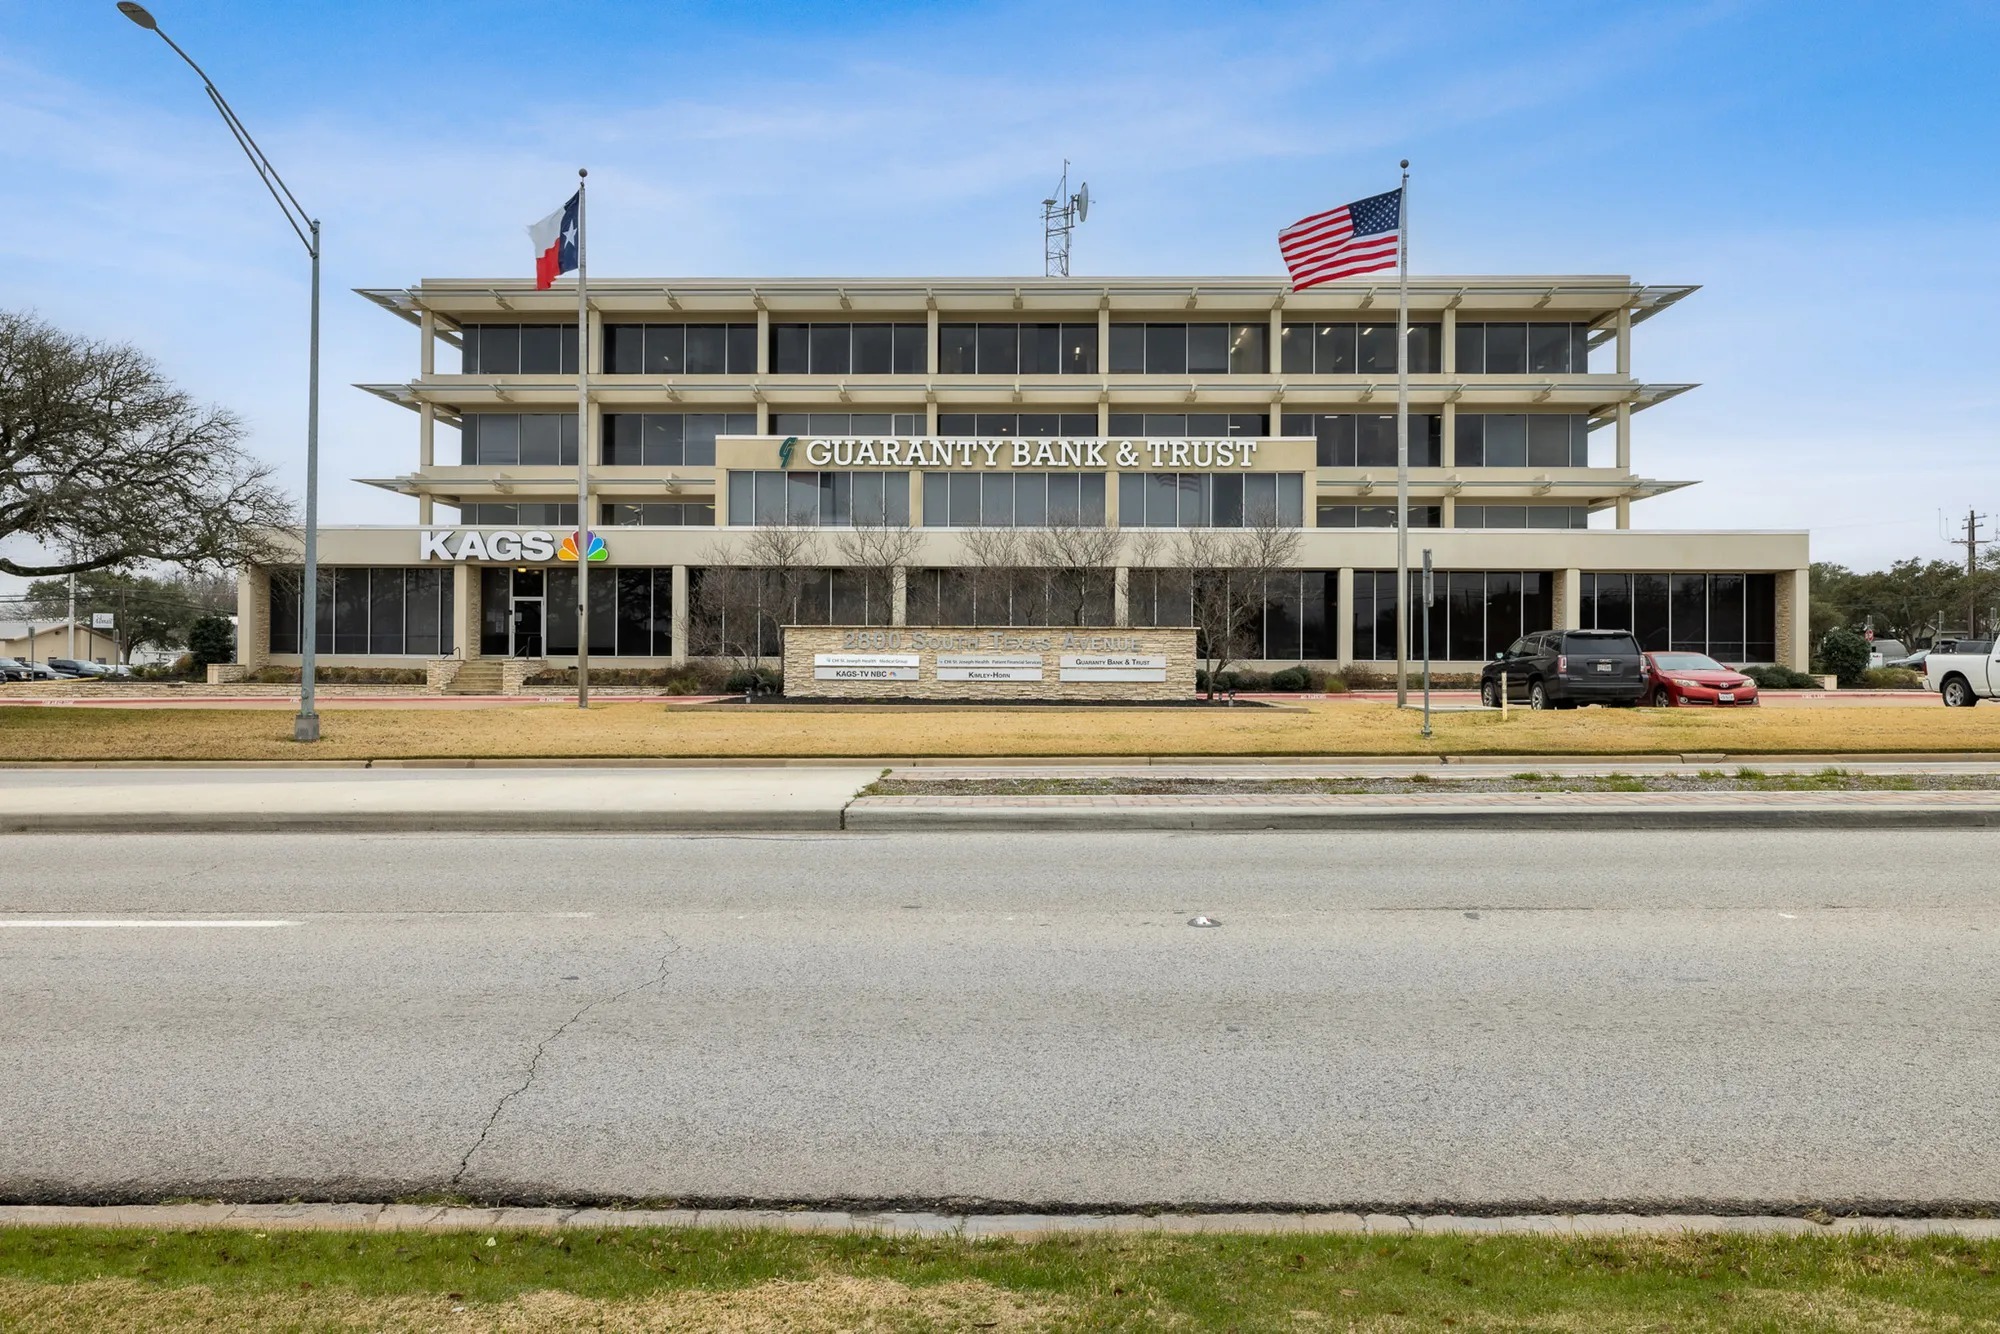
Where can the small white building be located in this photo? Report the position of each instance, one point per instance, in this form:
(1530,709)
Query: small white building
(34,641)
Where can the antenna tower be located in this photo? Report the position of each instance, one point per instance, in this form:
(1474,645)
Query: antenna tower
(1060,215)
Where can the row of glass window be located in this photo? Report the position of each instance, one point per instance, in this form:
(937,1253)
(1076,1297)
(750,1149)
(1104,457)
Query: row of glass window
(530,612)
(1521,440)
(904,424)
(669,439)
(1730,617)
(518,349)
(736,611)
(1541,348)
(1474,614)
(1378,516)
(1367,439)
(1522,516)
(848,349)
(1010,597)
(680,349)
(532,514)
(1298,619)
(1522,349)
(366,609)
(1211,499)
(511,439)
(810,499)
(1012,499)
(1354,349)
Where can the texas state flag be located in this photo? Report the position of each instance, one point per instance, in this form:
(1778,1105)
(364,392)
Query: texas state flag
(555,242)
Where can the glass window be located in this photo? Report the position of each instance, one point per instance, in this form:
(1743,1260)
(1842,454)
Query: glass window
(965,500)
(566,335)
(1248,349)
(1165,425)
(1579,349)
(1162,507)
(541,350)
(666,349)
(1041,349)
(707,349)
(499,437)
(1128,349)
(999,349)
(996,500)
(1375,441)
(1425,340)
(698,432)
(1548,441)
(1031,499)
(789,354)
(624,348)
(661,440)
(910,349)
(958,349)
(866,503)
(1334,349)
(1090,498)
(1131,500)
(1469,449)
(541,439)
(622,432)
(1260,499)
(1506,440)
(1548,349)
(1208,348)
(1649,610)
(350,612)
(1465,632)
(873,353)
(1079,349)
(1471,350)
(996,423)
(1760,617)
(1506,349)
(1291,499)
(937,499)
(1688,623)
(1375,349)
(1725,617)
(831,349)
(500,349)
(742,349)
(1166,349)
(1226,502)
(385,610)
(1295,343)
(468,364)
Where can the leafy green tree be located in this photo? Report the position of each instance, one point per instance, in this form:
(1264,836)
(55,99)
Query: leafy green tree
(104,463)
(212,639)
(1832,596)
(146,611)
(1844,653)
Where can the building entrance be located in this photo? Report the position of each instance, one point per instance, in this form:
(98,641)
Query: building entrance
(527,637)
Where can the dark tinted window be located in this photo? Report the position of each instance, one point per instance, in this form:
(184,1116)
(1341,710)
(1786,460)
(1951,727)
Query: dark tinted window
(1599,644)
(789,355)
(1166,349)
(958,349)
(1128,349)
(1506,349)
(707,349)
(830,349)
(873,349)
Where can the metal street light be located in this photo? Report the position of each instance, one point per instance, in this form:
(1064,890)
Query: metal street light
(306,726)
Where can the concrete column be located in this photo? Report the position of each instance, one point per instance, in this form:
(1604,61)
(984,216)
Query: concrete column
(1569,600)
(253,611)
(1624,437)
(1103,418)
(899,596)
(1624,512)
(763,343)
(1448,511)
(763,417)
(1121,595)
(930,418)
(917,499)
(1625,341)
(1795,596)
(1448,338)
(427,357)
(931,341)
(465,610)
(683,614)
(1343,616)
(426,436)
(1448,431)
(1275,357)
(1111,489)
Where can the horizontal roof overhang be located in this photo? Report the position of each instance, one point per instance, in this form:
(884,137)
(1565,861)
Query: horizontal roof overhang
(1593,297)
(1600,396)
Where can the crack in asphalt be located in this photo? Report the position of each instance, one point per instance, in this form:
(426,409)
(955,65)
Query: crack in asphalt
(658,978)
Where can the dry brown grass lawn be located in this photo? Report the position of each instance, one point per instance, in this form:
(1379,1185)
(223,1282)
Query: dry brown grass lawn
(638,730)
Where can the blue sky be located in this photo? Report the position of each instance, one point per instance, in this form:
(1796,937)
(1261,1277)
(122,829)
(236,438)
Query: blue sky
(1828,173)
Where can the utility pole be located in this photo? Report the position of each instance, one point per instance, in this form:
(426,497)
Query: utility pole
(1971,542)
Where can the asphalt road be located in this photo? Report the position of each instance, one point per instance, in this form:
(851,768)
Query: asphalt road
(1647,1021)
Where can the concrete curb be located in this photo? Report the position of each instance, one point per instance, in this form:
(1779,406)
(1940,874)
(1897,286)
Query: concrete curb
(428,1218)
(1274,761)
(512,820)
(861,817)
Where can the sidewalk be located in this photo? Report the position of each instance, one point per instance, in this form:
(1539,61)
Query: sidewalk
(619,797)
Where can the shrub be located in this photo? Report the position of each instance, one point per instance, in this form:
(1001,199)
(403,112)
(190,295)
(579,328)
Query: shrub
(765,680)
(1845,654)
(341,676)
(1291,679)
(212,639)
(1892,678)
(1773,677)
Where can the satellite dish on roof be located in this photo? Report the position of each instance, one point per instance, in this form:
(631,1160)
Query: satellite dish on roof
(1083,202)
(1060,215)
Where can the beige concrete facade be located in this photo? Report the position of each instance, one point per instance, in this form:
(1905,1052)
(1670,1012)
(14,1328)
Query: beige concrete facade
(1607,395)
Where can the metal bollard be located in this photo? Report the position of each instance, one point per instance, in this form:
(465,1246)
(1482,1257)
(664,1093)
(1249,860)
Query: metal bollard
(1503,695)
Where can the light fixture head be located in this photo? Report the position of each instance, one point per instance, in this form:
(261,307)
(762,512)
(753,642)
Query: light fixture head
(139,15)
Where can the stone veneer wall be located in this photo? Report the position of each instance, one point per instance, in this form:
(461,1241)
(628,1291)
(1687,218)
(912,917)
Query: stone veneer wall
(802,642)
(1787,622)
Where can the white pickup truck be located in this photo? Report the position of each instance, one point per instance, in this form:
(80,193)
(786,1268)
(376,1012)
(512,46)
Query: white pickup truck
(1967,674)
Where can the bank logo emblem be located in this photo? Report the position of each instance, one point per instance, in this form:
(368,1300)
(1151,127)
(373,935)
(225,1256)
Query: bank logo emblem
(785,451)
(594,552)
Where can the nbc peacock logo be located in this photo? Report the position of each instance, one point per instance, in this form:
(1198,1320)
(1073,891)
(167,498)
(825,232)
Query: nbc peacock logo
(594,549)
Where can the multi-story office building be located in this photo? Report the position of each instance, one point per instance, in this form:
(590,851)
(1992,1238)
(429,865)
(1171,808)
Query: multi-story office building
(960,406)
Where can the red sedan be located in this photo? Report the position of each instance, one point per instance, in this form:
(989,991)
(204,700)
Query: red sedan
(1694,678)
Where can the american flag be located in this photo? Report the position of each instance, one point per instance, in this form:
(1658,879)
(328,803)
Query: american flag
(1355,238)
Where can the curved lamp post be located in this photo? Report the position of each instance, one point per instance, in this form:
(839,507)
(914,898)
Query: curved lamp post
(306,726)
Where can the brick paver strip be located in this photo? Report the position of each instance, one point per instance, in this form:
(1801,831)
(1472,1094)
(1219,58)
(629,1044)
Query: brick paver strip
(425,1218)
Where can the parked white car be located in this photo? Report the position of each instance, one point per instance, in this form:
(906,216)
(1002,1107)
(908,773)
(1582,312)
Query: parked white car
(1967,675)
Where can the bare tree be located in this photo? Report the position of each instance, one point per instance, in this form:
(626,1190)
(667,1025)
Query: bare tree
(877,554)
(1227,572)
(748,594)
(106,462)
(1077,560)
(992,560)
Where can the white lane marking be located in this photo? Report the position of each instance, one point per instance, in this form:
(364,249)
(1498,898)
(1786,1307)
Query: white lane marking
(56,922)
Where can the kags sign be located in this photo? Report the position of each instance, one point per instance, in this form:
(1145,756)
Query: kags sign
(534,546)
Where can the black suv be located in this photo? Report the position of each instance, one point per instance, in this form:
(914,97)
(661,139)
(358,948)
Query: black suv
(1560,669)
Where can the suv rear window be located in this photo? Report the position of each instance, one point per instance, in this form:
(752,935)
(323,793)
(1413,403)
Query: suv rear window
(1601,641)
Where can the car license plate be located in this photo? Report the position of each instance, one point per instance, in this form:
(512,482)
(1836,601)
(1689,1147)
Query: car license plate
(1607,666)
(1725,697)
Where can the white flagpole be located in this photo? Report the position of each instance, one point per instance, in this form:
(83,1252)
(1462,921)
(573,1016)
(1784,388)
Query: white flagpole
(583,435)
(1403,441)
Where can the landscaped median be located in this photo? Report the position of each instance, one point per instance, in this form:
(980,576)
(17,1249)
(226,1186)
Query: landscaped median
(113,1281)
(725,732)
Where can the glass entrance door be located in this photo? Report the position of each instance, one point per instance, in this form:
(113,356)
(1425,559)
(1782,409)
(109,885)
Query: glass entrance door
(527,636)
